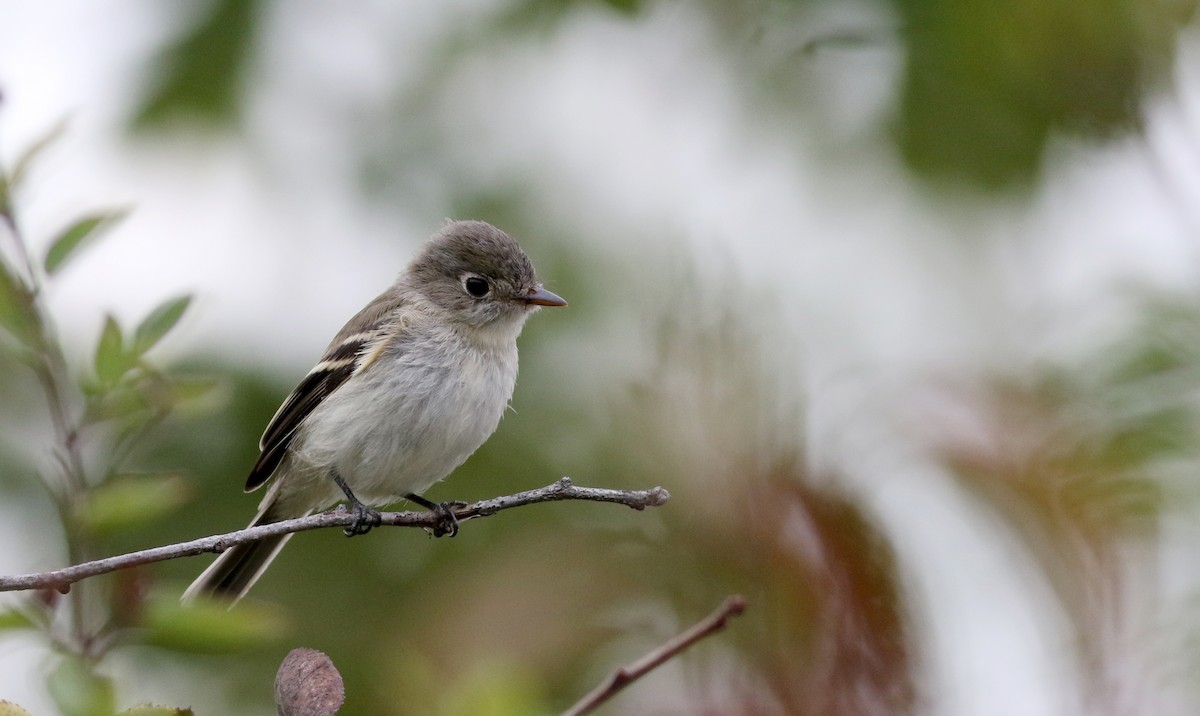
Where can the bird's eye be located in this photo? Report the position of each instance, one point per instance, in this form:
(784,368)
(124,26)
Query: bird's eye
(476,286)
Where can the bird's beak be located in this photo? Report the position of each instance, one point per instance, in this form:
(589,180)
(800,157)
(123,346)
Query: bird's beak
(541,297)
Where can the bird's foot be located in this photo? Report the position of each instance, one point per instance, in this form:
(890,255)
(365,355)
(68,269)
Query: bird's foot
(365,517)
(445,521)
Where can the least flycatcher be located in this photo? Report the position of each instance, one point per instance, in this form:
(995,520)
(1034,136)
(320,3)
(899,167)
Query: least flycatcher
(411,386)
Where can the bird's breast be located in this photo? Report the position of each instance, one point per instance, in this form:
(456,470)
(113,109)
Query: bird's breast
(413,417)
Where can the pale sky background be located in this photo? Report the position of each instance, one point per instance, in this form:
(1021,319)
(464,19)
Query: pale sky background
(875,299)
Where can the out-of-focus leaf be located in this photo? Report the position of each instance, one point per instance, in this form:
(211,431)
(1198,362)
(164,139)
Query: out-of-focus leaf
(78,691)
(540,15)
(112,360)
(149,395)
(77,235)
(203,71)
(145,391)
(106,404)
(497,689)
(189,388)
(1155,435)
(628,7)
(12,619)
(160,321)
(210,626)
(33,151)
(7,708)
(155,391)
(16,307)
(130,500)
(987,86)
(154,710)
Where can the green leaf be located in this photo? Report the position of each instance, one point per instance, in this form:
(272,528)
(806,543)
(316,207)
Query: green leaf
(210,627)
(130,500)
(76,235)
(112,360)
(16,307)
(160,321)
(106,402)
(202,73)
(187,389)
(154,710)
(22,164)
(33,151)
(78,691)
(13,619)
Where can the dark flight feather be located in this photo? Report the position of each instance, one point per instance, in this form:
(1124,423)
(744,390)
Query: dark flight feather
(342,359)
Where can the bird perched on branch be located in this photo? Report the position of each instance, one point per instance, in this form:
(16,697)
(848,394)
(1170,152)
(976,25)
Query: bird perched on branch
(411,386)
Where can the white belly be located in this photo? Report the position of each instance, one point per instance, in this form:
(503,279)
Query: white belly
(399,426)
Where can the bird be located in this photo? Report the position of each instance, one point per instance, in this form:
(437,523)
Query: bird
(405,392)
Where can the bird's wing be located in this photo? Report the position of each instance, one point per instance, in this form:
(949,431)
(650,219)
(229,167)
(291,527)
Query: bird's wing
(355,347)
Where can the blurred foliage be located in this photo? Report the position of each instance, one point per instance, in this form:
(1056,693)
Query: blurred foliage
(208,628)
(79,691)
(98,421)
(544,15)
(125,500)
(1078,461)
(201,76)
(987,86)
(524,612)
(72,238)
(826,629)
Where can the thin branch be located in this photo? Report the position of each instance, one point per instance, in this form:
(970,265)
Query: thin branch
(49,364)
(62,579)
(626,675)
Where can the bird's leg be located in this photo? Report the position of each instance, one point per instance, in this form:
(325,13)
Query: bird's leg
(364,517)
(447,523)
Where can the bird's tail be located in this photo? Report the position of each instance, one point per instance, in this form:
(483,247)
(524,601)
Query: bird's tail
(237,569)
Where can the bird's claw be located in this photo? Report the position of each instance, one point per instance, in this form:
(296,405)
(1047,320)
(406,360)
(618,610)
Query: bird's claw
(445,521)
(365,518)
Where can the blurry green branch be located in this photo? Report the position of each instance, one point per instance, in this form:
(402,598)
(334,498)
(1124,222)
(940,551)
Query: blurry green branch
(97,415)
(626,675)
(61,579)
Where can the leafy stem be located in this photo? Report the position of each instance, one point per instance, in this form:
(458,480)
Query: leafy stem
(125,392)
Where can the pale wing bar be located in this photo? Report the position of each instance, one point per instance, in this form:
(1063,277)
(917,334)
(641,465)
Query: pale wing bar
(336,367)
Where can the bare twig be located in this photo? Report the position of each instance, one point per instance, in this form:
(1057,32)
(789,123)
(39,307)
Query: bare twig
(62,579)
(626,675)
